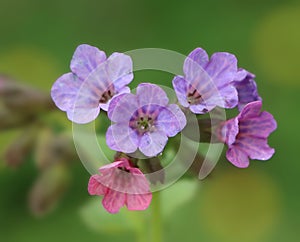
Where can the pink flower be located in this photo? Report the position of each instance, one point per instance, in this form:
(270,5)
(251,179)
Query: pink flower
(121,184)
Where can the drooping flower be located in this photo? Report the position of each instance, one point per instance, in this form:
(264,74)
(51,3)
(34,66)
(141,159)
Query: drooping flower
(246,87)
(121,184)
(207,83)
(143,121)
(246,135)
(93,82)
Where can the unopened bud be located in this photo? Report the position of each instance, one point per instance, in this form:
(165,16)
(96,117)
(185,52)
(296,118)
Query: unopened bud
(48,189)
(52,149)
(18,151)
(10,119)
(23,99)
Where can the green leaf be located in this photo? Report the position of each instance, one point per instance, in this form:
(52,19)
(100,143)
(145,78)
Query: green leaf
(98,219)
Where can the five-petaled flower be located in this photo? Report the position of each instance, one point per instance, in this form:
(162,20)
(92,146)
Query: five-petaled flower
(121,184)
(143,121)
(207,83)
(246,135)
(93,82)
(246,86)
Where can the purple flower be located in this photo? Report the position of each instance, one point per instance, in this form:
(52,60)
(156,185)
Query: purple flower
(121,184)
(246,135)
(207,83)
(93,82)
(246,86)
(143,121)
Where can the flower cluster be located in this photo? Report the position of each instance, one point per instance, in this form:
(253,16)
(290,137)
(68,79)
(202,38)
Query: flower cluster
(143,121)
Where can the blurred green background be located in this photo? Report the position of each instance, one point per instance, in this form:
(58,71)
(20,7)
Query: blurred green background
(261,203)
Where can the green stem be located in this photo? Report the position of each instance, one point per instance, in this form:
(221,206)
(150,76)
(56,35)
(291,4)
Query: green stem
(156,219)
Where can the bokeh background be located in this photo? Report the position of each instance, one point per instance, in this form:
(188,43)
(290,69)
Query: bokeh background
(261,203)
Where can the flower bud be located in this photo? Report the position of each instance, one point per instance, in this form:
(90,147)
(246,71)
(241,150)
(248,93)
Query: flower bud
(10,119)
(18,151)
(48,189)
(23,99)
(52,149)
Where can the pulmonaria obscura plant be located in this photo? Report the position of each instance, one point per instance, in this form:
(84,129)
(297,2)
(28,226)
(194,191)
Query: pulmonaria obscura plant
(142,122)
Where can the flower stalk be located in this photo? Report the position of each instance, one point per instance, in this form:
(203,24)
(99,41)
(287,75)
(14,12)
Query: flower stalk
(156,219)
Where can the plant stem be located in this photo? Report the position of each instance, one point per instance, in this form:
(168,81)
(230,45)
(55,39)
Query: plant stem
(156,219)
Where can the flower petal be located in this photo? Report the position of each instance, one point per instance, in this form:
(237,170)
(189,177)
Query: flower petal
(251,110)
(114,178)
(180,86)
(229,97)
(122,108)
(121,137)
(107,169)
(201,108)
(138,192)
(171,120)
(92,89)
(225,97)
(229,131)
(83,115)
(222,68)
(86,59)
(148,93)
(242,74)
(259,127)
(247,92)
(237,157)
(197,56)
(138,182)
(135,182)
(119,68)
(256,148)
(153,143)
(138,201)
(197,77)
(113,201)
(95,187)
(86,104)
(64,91)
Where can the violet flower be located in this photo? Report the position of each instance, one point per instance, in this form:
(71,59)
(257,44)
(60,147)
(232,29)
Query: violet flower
(246,135)
(143,121)
(207,83)
(121,184)
(246,87)
(93,82)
